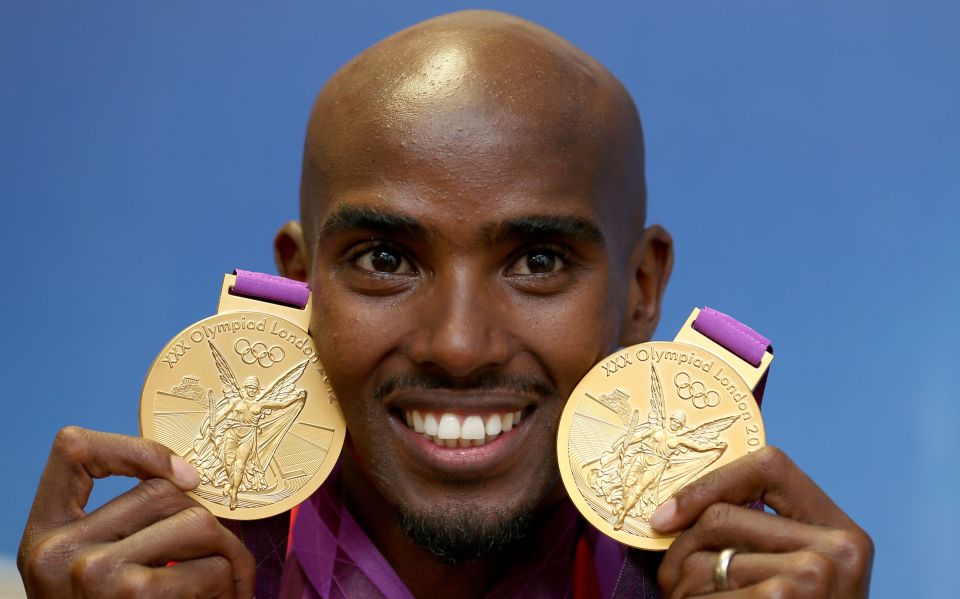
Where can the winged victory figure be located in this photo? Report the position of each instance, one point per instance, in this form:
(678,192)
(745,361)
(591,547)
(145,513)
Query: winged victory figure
(653,459)
(243,429)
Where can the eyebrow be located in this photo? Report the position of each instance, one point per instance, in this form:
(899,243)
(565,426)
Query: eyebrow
(352,218)
(545,227)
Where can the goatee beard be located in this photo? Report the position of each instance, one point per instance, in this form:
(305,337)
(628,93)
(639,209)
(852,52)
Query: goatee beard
(466,535)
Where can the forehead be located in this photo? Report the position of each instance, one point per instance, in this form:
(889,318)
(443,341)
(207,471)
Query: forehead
(465,145)
(482,122)
(464,161)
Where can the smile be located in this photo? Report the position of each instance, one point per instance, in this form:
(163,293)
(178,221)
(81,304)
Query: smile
(449,429)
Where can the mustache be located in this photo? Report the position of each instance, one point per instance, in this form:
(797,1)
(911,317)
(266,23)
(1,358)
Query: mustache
(492,381)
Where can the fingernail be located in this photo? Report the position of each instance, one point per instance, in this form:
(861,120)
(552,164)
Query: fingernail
(184,474)
(664,515)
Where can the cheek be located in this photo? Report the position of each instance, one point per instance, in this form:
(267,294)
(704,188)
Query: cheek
(568,335)
(352,339)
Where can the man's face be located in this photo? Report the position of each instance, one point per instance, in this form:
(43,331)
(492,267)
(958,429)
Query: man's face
(456,288)
(472,253)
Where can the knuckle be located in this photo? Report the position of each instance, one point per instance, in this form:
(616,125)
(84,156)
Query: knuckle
(714,520)
(160,496)
(814,571)
(772,459)
(37,560)
(89,568)
(200,520)
(219,567)
(854,548)
(779,588)
(688,568)
(695,565)
(689,494)
(135,585)
(159,490)
(151,450)
(71,443)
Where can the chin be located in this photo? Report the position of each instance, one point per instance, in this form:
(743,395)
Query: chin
(459,532)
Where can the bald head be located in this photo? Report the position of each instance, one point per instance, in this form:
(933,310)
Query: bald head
(472,85)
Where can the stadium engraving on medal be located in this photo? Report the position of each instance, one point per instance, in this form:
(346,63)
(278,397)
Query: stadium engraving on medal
(243,397)
(645,422)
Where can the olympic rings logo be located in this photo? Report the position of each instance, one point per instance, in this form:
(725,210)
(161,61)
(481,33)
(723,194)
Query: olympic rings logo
(258,352)
(695,391)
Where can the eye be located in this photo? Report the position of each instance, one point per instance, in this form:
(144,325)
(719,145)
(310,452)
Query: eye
(541,261)
(383,259)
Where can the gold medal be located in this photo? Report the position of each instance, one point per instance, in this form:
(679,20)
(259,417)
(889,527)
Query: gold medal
(243,397)
(648,420)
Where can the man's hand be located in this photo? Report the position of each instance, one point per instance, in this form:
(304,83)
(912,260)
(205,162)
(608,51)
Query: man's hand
(810,548)
(122,549)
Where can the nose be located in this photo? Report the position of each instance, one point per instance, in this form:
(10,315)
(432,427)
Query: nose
(461,326)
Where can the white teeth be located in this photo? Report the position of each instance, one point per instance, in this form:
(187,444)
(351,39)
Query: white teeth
(417,422)
(453,430)
(449,427)
(430,425)
(472,428)
(494,425)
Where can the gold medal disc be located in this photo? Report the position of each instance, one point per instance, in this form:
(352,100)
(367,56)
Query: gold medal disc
(646,421)
(243,397)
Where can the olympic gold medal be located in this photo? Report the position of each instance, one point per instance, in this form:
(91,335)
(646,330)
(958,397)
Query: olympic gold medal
(645,422)
(243,397)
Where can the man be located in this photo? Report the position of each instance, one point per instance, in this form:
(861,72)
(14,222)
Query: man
(472,227)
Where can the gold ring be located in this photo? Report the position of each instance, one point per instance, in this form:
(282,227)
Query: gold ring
(720,570)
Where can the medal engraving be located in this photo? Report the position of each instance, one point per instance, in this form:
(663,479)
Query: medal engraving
(243,397)
(628,442)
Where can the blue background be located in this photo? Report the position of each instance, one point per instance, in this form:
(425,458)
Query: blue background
(804,156)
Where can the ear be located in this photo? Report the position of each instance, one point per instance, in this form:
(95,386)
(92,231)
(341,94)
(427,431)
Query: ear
(291,253)
(650,262)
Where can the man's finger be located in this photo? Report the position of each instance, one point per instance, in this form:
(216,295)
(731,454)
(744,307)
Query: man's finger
(147,503)
(782,587)
(746,570)
(99,574)
(191,534)
(205,577)
(767,475)
(79,456)
(723,525)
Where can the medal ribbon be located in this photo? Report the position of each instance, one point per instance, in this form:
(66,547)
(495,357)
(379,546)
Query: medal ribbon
(732,334)
(737,337)
(271,288)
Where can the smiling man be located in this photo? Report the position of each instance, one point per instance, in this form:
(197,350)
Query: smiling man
(472,204)
(472,227)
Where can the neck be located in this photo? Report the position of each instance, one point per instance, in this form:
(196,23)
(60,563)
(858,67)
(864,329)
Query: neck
(419,570)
